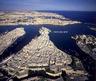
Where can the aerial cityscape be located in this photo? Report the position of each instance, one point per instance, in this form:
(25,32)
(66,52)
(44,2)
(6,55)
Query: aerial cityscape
(47,40)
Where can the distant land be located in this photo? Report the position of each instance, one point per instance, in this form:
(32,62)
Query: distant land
(33,18)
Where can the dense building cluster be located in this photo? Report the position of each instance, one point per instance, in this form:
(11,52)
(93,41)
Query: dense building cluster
(42,55)
(87,43)
(9,37)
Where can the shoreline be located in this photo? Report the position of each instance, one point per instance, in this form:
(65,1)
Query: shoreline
(34,18)
(33,24)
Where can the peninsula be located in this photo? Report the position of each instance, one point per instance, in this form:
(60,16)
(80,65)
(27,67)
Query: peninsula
(8,38)
(34,18)
(42,55)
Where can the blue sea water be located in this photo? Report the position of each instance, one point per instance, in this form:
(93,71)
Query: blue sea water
(63,40)
(84,16)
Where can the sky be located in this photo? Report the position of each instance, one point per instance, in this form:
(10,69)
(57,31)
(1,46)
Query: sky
(70,5)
